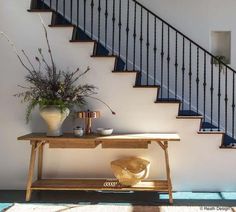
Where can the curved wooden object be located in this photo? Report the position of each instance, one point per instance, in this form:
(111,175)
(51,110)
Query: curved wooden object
(130,171)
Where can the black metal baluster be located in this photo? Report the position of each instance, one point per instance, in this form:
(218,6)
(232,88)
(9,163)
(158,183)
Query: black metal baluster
(183,73)
(119,25)
(99,20)
(106,16)
(219,95)
(204,88)
(77,14)
(85,15)
(197,80)
(71,9)
(134,36)
(43,4)
(226,100)
(127,37)
(113,26)
(64,8)
(141,41)
(190,76)
(233,106)
(176,64)
(212,90)
(56,5)
(168,62)
(155,50)
(162,56)
(50,3)
(92,8)
(147,47)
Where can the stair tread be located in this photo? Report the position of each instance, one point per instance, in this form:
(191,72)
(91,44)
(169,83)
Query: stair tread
(39,10)
(60,25)
(167,100)
(210,132)
(83,41)
(188,113)
(146,86)
(125,71)
(104,56)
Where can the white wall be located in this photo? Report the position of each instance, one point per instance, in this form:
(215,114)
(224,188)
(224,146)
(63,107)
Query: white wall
(197,162)
(197,19)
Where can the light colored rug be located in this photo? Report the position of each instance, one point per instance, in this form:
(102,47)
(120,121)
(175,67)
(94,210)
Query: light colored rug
(112,208)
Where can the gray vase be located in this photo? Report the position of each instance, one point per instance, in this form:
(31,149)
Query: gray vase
(54,118)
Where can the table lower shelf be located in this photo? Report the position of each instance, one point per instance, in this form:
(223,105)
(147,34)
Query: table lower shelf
(98,185)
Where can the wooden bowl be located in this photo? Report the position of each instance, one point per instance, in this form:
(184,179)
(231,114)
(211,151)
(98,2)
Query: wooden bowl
(130,171)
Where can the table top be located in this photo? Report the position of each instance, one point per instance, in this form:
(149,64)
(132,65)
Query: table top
(96,137)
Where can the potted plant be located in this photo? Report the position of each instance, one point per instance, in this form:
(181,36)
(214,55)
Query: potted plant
(218,62)
(53,90)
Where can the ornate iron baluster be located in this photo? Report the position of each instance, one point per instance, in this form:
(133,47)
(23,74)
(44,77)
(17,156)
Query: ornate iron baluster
(204,88)
(183,73)
(85,15)
(71,9)
(77,14)
(56,5)
(155,50)
(162,56)
(212,90)
(64,8)
(197,80)
(168,62)
(147,47)
(113,26)
(219,94)
(127,37)
(226,100)
(190,76)
(176,64)
(141,40)
(106,16)
(134,36)
(119,25)
(99,20)
(92,8)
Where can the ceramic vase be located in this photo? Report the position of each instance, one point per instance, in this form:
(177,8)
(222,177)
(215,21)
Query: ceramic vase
(54,118)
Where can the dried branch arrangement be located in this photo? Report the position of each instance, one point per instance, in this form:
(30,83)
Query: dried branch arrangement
(47,85)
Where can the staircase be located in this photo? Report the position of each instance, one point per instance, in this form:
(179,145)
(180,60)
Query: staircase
(161,56)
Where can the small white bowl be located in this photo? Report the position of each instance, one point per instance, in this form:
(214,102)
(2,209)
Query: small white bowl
(104,131)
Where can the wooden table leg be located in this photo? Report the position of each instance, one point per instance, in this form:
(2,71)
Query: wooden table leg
(168,172)
(31,171)
(40,161)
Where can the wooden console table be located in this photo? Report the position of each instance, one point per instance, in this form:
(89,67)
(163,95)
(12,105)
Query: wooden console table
(38,140)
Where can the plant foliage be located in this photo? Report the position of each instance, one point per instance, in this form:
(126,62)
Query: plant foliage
(47,85)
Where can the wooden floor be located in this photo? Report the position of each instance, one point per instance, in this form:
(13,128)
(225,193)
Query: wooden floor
(91,197)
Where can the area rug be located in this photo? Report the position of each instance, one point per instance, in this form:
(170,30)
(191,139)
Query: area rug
(112,208)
